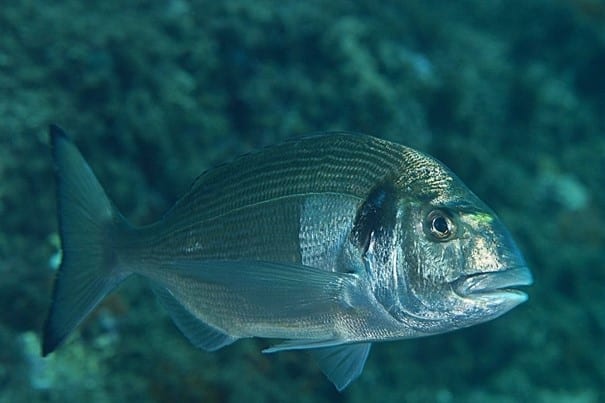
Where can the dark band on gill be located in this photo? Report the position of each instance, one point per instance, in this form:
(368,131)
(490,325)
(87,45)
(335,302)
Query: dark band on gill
(375,217)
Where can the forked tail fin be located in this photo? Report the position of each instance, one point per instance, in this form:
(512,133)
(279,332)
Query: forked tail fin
(89,226)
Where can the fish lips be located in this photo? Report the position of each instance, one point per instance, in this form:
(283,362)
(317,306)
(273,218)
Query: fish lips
(494,286)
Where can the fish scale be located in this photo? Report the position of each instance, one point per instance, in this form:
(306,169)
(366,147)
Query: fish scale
(346,167)
(255,214)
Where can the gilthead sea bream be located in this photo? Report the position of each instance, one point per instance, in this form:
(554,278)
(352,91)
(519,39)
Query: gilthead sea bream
(331,243)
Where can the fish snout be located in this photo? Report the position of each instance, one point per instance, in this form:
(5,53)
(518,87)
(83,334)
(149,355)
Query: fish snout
(495,287)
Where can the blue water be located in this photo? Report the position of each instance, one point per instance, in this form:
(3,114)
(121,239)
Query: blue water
(510,95)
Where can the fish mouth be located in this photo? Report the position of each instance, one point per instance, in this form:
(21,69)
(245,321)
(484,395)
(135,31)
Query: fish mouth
(495,285)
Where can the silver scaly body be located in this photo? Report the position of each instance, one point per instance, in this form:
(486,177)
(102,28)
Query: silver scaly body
(330,242)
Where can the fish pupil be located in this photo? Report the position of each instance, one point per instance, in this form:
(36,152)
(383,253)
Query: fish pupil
(440,225)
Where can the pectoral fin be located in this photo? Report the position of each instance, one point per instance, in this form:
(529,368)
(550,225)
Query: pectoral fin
(216,302)
(254,292)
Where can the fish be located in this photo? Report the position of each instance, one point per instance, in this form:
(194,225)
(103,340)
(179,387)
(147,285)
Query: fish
(329,243)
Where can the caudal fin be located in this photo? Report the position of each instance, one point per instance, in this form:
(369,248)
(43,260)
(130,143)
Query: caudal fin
(89,227)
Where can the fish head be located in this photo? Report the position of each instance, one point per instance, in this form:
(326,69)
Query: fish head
(451,263)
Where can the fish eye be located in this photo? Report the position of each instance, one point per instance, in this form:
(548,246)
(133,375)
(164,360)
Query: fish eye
(440,225)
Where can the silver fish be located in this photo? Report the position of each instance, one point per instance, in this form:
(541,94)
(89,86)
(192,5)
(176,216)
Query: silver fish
(330,242)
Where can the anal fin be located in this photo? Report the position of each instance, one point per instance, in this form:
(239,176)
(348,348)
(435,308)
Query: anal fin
(200,334)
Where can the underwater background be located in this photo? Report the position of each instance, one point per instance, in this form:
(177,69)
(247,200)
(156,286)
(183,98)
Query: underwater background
(509,94)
